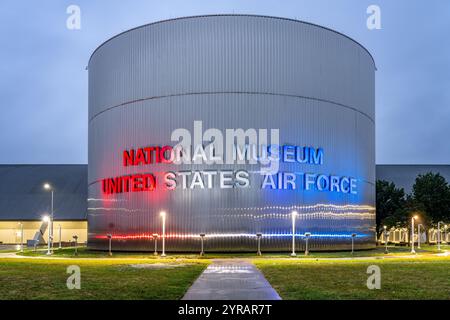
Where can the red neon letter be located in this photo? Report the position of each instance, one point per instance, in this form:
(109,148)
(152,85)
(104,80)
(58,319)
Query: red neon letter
(128,158)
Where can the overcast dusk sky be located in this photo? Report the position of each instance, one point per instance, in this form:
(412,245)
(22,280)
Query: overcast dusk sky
(43,81)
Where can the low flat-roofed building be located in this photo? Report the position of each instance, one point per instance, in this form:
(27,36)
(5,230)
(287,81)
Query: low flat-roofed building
(23,200)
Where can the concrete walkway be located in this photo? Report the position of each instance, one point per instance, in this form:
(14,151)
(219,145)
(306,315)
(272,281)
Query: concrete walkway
(231,279)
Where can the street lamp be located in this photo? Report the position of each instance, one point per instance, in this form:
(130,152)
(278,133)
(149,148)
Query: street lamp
(419,235)
(163,217)
(47,186)
(445,233)
(258,238)
(307,235)
(412,234)
(46,219)
(439,236)
(294,215)
(21,236)
(202,236)
(353,242)
(386,234)
(155,238)
(109,236)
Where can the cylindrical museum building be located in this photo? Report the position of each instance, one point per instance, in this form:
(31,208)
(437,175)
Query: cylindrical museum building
(234,131)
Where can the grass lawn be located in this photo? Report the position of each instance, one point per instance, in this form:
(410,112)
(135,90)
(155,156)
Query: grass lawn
(100,279)
(314,277)
(418,278)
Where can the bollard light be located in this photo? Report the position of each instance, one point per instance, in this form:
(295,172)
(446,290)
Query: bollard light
(163,217)
(307,235)
(155,239)
(353,243)
(202,236)
(258,238)
(75,240)
(294,216)
(109,236)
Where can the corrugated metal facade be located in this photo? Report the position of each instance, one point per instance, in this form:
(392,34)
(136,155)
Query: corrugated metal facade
(313,84)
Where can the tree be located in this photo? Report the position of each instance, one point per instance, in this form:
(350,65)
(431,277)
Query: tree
(390,202)
(432,192)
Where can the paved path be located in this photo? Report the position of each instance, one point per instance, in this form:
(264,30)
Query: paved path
(231,279)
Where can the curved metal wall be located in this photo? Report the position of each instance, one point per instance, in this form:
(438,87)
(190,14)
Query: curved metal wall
(313,84)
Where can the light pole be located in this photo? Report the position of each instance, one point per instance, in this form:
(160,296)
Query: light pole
(202,252)
(294,215)
(353,242)
(445,233)
(109,236)
(419,235)
(163,217)
(258,238)
(386,235)
(439,236)
(412,234)
(46,219)
(21,236)
(60,237)
(307,235)
(47,186)
(155,238)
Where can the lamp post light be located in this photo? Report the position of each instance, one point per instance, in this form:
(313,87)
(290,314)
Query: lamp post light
(163,217)
(258,238)
(445,233)
(109,236)
(439,236)
(294,215)
(419,235)
(353,243)
(46,219)
(60,237)
(307,235)
(202,236)
(21,236)
(412,234)
(75,240)
(385,240)
(155,239)
(47,186)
